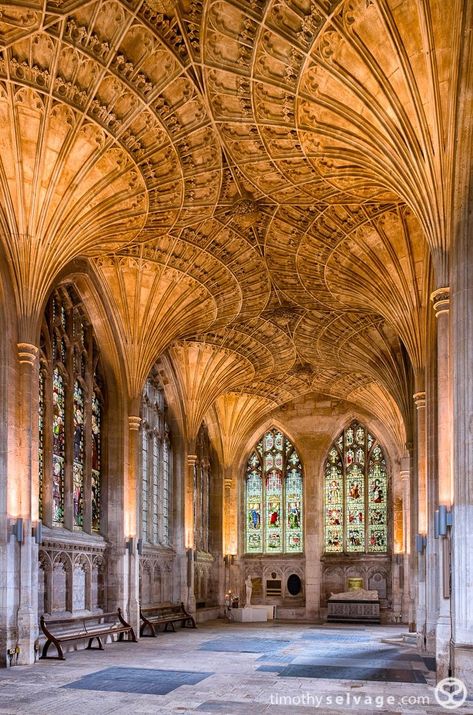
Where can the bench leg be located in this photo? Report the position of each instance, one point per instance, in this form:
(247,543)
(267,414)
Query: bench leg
(60,654)
(99,641)
(133,638)
(151,628)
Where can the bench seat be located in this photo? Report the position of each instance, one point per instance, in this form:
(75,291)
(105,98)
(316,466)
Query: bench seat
(166,614)
(89,628)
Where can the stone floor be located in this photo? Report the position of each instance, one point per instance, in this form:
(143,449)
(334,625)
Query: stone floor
(230,668)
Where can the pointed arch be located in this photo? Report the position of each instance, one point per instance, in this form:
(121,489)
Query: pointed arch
(355,493)
(274,496)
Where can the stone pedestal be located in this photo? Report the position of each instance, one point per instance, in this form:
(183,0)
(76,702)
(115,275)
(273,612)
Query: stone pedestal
(250,614)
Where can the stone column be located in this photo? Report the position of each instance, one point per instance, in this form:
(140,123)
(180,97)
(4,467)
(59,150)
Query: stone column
(313,536)
(407,604)
(189,528)
(131,523)
(441,303)
(230,507)
(25,483)
(230,534)
(462,359)
(422,519)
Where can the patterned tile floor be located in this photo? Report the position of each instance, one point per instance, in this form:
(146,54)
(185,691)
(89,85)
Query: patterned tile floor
(233,669)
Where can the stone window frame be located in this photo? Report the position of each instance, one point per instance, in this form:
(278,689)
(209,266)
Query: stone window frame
(92,383)
(155,509)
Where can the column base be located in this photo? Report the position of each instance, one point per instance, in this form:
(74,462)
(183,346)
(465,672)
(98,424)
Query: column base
(133,594)
(421,629)
(27,635)
(442,648)
(462,664)
(430,638)
(191,603)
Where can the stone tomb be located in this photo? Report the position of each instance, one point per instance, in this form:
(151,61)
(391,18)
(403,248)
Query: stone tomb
(356,605)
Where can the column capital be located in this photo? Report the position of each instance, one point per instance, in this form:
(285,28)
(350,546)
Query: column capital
(134,423)
(191,460)
(404,475)
(27,353)
(419,399)
(440,300)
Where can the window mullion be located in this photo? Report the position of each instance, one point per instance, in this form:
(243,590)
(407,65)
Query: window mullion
(344,497)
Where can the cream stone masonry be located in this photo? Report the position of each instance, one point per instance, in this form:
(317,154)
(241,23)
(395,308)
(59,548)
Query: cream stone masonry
(265,207)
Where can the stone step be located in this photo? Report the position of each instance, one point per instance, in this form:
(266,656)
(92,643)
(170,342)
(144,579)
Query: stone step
(409,639)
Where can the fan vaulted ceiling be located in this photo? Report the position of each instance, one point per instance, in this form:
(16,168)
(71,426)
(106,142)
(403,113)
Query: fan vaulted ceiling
(263,187)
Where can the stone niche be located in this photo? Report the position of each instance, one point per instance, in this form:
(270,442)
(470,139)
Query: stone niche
(158,573)
(375,571)
(71,576)
(272,581)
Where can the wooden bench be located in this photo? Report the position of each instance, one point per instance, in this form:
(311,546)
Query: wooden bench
(166,613)
(89,628)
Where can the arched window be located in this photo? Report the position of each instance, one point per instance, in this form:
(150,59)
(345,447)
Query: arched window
(202,477)
(155,465)
(356,490)
(70,416)
(274,497)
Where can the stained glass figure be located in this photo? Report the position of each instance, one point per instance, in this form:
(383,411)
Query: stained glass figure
(274,497)
(254,502)
(334,501)
(355,494)
(273,529)
(293,510)
(377,485)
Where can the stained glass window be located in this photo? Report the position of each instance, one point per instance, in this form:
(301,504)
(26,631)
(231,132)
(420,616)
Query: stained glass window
(155,464)
(202,493)
(70,416)
(41,419)
(96,466)
(144,478)
(355,493)
(166,489)
(156,495)
(78,463)
(274,497)
(58,447)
